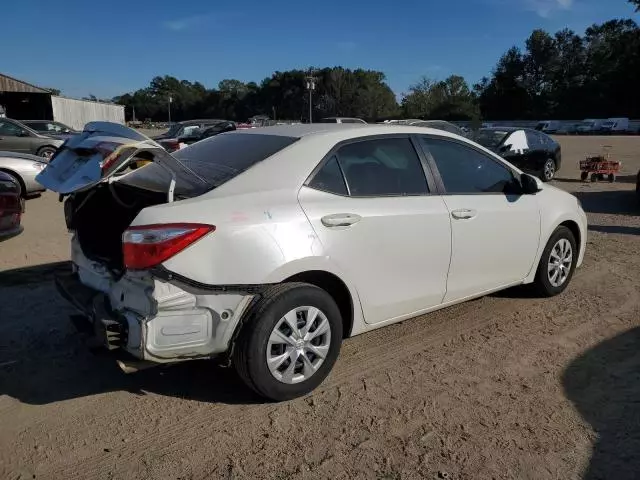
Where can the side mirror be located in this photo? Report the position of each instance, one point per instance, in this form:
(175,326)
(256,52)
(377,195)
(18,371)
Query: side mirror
(505,148)
(530,185)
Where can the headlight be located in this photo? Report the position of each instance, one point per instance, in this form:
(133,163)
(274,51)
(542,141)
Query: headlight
(39,165)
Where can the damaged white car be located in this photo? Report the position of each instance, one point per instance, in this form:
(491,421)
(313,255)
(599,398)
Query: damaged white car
(269,246)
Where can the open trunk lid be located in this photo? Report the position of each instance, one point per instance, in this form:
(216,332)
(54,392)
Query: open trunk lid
(102,152)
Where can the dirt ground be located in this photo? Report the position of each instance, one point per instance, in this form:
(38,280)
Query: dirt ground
(505,387)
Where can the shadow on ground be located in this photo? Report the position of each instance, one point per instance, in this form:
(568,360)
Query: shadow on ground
(620,179)
(604,386)
(621,229)
(44,359)
(620,202)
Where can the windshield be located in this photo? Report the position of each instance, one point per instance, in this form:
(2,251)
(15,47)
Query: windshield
(174,130)
(221,158)
(490,138)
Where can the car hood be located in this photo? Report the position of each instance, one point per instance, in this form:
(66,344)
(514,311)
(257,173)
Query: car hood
(100,153)
(22,156)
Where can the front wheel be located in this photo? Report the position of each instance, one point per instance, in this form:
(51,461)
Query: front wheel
(289,341)
(549,170)
(47,152)
(557,263)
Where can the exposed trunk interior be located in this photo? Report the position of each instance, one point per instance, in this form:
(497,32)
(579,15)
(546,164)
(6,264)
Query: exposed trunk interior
(100,216)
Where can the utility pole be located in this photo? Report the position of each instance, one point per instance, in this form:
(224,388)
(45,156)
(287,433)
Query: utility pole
(311,86)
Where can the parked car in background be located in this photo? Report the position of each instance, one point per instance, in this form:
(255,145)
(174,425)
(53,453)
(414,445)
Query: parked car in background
(49,127)
(17,137)
(11,207)
(187,128)
(23,168)
(615,125)
(529,150)
(590,126)
(342,120)
(206,132)
(548,126)
(440,125)
(193,135)
(271,245)
(568,129)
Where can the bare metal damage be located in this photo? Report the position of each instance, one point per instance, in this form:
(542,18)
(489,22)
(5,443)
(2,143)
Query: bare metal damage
(164,323)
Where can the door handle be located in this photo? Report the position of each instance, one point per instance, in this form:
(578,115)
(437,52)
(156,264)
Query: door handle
(340,219)
(464,214)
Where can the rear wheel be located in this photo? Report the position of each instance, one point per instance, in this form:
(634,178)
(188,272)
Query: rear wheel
(549,170)
(594,177)
(289,342)
(584,176)
(611,178)
(557,263)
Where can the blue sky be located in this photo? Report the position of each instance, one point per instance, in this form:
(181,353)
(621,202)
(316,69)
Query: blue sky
(107,48)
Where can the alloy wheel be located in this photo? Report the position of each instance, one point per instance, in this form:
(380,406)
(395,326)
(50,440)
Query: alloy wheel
(549,170)
(560,261)
(298,345)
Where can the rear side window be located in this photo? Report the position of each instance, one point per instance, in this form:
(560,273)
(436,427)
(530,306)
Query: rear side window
(220,158)
(465,170)
(382,167)
(329,178)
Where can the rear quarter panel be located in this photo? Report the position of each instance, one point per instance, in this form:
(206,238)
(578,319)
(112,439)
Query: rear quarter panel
(256,236)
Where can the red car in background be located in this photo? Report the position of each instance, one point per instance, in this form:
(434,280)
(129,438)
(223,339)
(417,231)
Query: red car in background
(11,207)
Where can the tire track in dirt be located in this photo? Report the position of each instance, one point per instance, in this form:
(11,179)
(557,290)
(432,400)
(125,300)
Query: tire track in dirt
(362,357)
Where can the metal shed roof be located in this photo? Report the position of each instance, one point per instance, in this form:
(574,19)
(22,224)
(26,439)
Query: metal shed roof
(10,84)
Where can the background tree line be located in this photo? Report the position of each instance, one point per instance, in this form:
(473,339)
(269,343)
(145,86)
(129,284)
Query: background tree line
(559,76)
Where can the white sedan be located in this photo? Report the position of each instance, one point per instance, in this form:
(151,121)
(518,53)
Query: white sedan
(267,247)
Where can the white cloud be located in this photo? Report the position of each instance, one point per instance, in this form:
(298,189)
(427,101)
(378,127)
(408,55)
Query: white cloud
(545,8)
(184,23)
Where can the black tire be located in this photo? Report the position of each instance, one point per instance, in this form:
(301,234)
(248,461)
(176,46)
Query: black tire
(250,350)
(16,178)
(548,170)
(611,178)
(46,152)
(594,177)
(542,284)
(584,176)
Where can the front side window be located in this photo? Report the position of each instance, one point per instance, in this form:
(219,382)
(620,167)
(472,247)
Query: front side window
(465,170)
(382,167)
(9,129)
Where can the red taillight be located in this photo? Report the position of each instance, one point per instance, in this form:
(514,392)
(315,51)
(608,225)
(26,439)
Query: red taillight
(172,146)
(146,246)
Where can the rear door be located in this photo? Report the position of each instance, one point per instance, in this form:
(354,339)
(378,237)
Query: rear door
(495,233)
(382,224)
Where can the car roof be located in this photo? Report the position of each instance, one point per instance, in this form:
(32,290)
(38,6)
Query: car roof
(341,131)
(200,120)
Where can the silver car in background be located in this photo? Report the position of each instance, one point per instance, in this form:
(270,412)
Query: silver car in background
(23,167)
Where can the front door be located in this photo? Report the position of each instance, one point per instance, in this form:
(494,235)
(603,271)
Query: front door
(14,138)
(372,209)
(495,233)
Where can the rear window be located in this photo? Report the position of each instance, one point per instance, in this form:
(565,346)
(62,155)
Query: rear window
(220,158)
